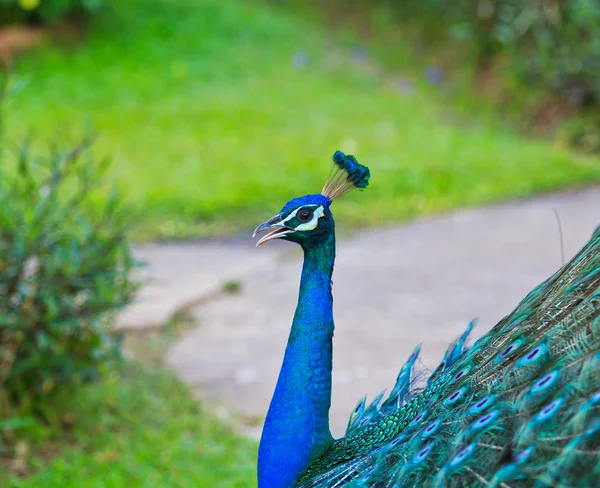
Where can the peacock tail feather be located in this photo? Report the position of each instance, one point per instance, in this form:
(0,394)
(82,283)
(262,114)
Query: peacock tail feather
(519,407)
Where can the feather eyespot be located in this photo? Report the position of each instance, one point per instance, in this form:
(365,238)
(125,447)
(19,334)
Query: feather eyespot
(398,440)
(549,410)
(461,373)
(422,454)
(524,455)
(413,355)
(359,406)
(508,349)
(487,419)
(462,455)
(482,404)
(546,382)
(419,417)
(457,395)
(533,355)
(431,429)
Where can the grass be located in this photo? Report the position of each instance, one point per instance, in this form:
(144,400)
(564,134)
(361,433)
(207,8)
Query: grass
(137,428)
(216,113)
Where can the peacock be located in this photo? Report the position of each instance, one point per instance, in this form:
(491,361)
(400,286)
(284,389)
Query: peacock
(518,408)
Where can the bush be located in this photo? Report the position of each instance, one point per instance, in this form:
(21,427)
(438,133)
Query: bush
(14,11)
(553,44)
(64,267)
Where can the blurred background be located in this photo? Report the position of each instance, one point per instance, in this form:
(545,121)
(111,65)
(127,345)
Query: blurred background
(130,125)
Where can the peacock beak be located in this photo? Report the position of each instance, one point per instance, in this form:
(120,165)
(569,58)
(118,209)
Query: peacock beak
(278,229)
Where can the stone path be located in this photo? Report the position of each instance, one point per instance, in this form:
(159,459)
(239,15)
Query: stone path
(416,283)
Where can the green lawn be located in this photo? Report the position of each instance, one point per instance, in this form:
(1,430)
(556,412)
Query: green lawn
(216,113)
(137,428)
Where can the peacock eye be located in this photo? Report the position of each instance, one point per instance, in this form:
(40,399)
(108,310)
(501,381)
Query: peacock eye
(304,214)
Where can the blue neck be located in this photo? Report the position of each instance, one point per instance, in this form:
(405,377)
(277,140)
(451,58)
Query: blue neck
(297,425)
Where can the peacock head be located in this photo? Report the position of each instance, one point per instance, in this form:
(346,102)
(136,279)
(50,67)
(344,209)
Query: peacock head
(308,218)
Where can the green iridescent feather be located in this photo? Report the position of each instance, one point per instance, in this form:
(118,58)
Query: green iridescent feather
(520,407)
(347,174)
(357,173)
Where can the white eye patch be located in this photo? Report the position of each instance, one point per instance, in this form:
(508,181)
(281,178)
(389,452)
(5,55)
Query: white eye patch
(312,223)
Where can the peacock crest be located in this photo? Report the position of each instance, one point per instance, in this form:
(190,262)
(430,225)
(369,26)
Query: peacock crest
(518,408)
(346,174)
